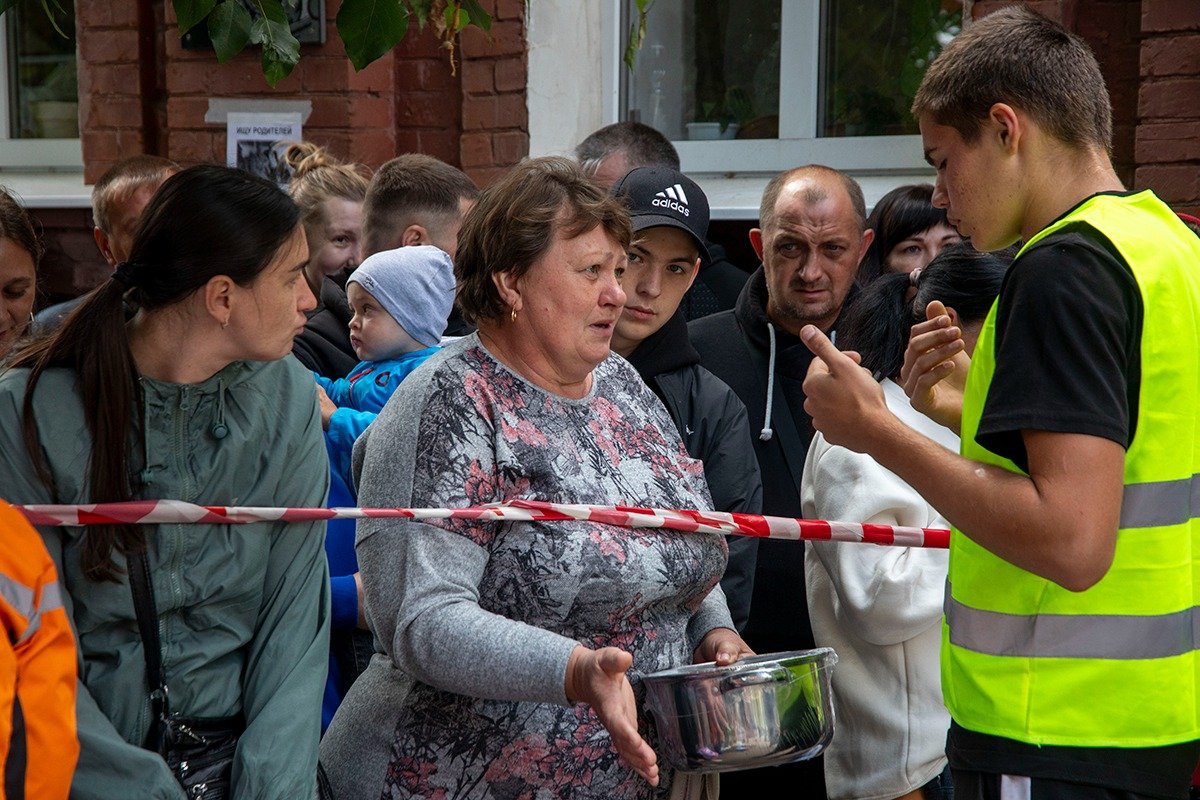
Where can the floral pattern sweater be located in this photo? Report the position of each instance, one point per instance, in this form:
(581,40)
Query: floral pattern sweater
(482,616)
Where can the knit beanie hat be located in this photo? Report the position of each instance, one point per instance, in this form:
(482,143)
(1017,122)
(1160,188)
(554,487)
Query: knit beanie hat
(415,285)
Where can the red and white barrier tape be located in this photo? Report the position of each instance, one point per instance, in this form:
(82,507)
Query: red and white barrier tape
(177,512)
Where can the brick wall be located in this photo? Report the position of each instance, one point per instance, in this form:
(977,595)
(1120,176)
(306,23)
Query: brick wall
(1168,132)
(142,92)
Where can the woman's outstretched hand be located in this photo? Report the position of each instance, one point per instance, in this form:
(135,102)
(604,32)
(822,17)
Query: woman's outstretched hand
(597,677)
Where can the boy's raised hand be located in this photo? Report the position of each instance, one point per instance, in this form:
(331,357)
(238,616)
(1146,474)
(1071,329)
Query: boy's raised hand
(844,401)
(934,373)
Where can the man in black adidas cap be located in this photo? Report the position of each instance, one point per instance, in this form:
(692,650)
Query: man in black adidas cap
(670,219)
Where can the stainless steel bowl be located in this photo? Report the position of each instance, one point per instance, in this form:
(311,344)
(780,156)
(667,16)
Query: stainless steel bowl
(762,711)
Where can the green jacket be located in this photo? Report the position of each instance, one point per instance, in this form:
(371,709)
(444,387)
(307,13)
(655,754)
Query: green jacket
(243,609)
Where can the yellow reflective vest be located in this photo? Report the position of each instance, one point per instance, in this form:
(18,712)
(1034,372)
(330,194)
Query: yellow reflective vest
(1116,665)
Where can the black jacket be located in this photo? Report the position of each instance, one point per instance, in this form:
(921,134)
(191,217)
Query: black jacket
(324,344)
(735,346)
(716,287)
(713,425)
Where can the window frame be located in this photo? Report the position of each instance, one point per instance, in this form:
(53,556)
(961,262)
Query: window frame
(30,154)
(802,23)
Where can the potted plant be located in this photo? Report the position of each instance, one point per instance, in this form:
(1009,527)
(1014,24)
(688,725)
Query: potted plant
(721,119)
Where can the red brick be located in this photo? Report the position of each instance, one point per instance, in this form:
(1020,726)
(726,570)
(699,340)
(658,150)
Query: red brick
(511,75)
(113,112)
(100,146)
(375,77)
(1177,97)
(479,113)
(476,150)
(1171,55)
(1168,141)
(372,147)
(1174,183)
(420,44)
(109,46)
(110,79)
(435,75)
(478,76)
(486,176)
(195,147)
(510,9)
(511,111)
(1170,15)
(424,109)
(408,140)
(329,111)
(325,75)
(442,144)
(510,146)
(186,112)
(504,39)
(372,111)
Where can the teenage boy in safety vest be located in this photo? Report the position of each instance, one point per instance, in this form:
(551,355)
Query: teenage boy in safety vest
(1069,659)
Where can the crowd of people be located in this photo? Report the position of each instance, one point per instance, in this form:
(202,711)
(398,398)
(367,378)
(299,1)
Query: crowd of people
(1010,353)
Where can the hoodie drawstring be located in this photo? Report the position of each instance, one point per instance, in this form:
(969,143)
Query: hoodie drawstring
(768,431)
(220,430)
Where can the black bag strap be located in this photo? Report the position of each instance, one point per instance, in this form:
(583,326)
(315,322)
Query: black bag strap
(147,620)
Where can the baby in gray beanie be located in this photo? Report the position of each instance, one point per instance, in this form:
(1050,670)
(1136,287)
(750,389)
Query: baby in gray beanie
(401,300)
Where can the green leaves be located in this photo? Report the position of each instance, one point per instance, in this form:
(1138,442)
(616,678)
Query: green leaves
(280,50)
(370,28)
(637,33)
(229,28)
(191,12)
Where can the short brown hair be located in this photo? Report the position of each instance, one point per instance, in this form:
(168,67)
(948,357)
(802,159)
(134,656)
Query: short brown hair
(318,176)
(125,178)
(515,222)
(766,209)
(1018,57)
(409,188)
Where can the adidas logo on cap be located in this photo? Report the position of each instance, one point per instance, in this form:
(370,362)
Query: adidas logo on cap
(673,198)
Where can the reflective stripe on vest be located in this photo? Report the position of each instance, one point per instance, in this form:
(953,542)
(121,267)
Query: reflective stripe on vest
(1117,665)
(20,598)
(1109,636)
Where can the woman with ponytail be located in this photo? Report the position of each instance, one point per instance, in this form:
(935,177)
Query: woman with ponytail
(170,382)
(880,607)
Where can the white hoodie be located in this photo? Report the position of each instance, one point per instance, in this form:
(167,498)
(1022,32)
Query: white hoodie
(880,608)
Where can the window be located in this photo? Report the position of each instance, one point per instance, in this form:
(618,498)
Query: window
(757,85)
(39,115)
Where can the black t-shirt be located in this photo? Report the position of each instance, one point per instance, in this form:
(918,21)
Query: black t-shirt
(1068,360)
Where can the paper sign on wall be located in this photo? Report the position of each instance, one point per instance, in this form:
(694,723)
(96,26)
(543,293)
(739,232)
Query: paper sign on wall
(256,142)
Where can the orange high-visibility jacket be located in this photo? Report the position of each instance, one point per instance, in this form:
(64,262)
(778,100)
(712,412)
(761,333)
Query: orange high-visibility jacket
(38,743)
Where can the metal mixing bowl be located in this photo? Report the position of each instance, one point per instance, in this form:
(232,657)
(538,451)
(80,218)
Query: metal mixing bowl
(761,711)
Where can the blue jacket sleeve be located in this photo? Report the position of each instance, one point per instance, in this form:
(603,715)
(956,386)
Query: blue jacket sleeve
(345,426)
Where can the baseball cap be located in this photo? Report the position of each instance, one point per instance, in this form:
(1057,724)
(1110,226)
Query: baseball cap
(661,196)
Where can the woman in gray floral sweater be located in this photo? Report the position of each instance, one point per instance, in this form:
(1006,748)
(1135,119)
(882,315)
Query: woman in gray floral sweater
(512,651)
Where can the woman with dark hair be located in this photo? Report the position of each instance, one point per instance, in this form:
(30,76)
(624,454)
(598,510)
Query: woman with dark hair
(20,252)
(909,232)
(881,607)
(511,650)
(170,381)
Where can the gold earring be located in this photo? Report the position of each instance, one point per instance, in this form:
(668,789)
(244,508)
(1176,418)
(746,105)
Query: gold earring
(512,317)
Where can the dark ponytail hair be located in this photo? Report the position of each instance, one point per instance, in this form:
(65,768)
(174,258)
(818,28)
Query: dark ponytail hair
(202,222)
(899,214)
(877,325)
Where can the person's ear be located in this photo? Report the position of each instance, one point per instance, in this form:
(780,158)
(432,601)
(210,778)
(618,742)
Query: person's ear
(218,298)
(756,241)
(867,237)
(414,234)
(955,320)
(105,248)
(509,288)
(695,272)
(1007,125)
